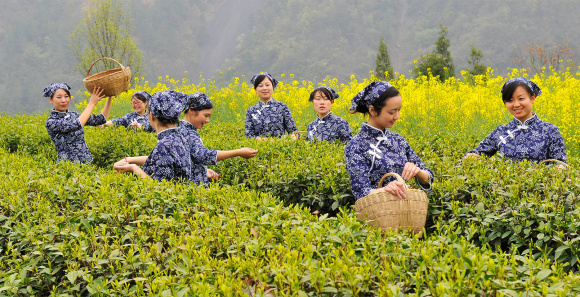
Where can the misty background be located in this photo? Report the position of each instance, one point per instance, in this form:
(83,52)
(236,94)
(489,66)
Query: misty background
(311,39)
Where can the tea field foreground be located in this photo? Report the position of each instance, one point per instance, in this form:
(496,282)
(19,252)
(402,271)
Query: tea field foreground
(494,228)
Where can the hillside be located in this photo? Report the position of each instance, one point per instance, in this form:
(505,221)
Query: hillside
(312,40)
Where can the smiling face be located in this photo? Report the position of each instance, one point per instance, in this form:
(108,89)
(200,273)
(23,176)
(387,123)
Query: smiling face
(265,90)
(521,103)
(60,100)
(321,104)
(138,105)
(388,115)
(199,118)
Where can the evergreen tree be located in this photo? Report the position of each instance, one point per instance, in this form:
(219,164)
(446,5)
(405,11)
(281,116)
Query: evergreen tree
(439,61)
(105,31)
(475,61)
(383,63)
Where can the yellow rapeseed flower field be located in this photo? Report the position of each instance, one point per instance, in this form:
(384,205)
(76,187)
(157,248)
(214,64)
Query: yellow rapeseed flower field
(460,107)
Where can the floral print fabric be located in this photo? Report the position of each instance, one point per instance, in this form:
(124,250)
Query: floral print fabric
(373,153)
(68,135)
(170,159)
(534,140)
(200,155)
(329,128)
(269,119)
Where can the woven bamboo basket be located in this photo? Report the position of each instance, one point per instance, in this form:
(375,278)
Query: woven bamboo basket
(113,81)
(554,161)
(386,211)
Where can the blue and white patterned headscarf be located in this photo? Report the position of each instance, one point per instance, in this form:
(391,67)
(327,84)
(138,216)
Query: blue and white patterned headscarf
(144,94)
(273,80)
(49,91)
(196,100)
(535,89)
(369,94)
(167,104)
(332,92)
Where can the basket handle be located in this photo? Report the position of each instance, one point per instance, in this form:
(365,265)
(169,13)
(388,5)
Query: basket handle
(88,72)
(398,177)
(553,160)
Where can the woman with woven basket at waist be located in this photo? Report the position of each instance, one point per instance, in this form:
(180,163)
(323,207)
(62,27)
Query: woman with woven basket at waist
(137,119)
(268,118)
(525,137)
(66,128)
(375,150)
(326,126)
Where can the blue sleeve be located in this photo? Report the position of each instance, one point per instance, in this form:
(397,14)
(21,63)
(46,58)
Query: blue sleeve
(160,164)
(123,121)
(344,132)
(96,120)
(557,147)
(289,124)
(201,155)
(249,125)
(413,158)
(488,146)
(308,130)
(358,170)
(63,125)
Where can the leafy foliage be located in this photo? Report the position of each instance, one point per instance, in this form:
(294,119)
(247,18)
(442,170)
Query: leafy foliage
(438,62)
(383,63)
(105,31)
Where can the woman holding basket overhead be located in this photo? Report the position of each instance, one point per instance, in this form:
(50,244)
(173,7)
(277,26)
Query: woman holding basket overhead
(375,150)
(269,117)
(66,128)
(525,137)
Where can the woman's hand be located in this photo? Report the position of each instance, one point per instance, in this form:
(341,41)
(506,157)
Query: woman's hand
(294,136)
(471,156)
(212,174)
(259,138)
(396,188)
(410,170)
(124,166)
(136,125)
(247,153)
(96,96)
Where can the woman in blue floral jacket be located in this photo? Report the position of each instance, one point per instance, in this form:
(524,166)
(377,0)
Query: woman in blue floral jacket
(326,126)
(170,159)
(375,150)
(525,137)
(269,117)
(66,128)
(198,110)
(137,119)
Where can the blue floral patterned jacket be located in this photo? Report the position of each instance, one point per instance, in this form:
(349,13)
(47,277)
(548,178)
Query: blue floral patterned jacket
(68,135)
(269,119)
(372,153)
(533,140)
(169,160)
(200,155)
(329,128)
(131,117)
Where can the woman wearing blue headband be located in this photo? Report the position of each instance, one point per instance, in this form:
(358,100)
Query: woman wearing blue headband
(269,117)
(198,110)
(376,151)
(326,126)
(65,127)
(170,159)
(137,119)
(525,137)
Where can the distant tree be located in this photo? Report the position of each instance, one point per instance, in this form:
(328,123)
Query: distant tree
(475,62)
(555,57)
(383,63)
(105,31)
(439,61)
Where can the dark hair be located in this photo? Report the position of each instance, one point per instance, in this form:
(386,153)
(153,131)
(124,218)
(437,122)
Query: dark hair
(200,108)
(67,92)
(380,102)
(325,91)
(259,80)
(140,97)
(163,121)
(508,90)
